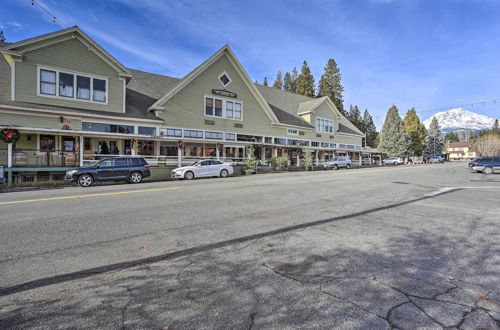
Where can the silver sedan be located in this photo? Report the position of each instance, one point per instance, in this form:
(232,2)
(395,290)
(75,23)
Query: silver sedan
(204,168)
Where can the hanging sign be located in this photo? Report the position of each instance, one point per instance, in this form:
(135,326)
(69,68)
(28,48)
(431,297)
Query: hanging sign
(223,92)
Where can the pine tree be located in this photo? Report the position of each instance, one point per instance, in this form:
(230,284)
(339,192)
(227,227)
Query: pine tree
(434,144)
(370,130)
(354,116)
(288,83)
(2,36)
(451,137)
(294,77)
(305,81)
(495,125)
(265,83)
(330,85)
(415,132)
(278,83)
(393,139)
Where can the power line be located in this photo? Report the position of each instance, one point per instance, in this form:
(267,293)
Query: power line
(55,20)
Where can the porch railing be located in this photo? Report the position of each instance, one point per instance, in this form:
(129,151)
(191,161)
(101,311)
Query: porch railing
(162,161)
(36,158)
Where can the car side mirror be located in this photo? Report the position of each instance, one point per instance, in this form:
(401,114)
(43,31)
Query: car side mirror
(97,165)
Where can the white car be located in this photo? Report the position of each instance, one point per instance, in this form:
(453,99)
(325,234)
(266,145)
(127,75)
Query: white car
(393,161)
(203,168)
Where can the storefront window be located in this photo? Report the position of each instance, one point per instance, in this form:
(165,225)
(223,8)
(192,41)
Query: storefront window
(68,144)
(145,148)
(127,147)
(210,150)
(107,128)
(168,149)
(47,143)
(192,150)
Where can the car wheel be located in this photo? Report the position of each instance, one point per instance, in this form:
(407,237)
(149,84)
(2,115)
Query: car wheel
(85,180)
(189,175)
(348,166)
(488,170)
(335,167)
(135,177)
(224,173)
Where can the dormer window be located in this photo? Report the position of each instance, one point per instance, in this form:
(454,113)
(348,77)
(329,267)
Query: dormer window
(224,79)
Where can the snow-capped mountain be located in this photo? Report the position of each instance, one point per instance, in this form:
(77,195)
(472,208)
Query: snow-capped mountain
(460,119)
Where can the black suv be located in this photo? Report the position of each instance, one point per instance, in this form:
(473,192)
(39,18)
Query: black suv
(130,169)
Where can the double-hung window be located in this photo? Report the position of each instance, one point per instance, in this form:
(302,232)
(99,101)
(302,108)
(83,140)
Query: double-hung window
(224,109)
(47,82)
(99,90)
(82,88)
(324,125)
(213,107)
(66,81)
(72,85)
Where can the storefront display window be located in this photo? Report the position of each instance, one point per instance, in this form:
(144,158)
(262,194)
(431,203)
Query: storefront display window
(47,143)
(168,149)
(68,144)
(145,148)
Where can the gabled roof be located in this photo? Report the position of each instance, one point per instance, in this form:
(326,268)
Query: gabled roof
(151,84)
(135,107)
(58,36)
(344,129)
(158,105)
(311,105)
(289,119)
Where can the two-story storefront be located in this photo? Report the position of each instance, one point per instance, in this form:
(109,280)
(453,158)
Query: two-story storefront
(70,103)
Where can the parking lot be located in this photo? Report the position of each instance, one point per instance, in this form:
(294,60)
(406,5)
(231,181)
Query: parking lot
(375,248)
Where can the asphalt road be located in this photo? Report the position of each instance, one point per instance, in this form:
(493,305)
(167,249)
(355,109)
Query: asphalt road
(379,248)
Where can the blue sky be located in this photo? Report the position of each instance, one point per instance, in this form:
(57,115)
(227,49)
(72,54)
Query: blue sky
(427,54)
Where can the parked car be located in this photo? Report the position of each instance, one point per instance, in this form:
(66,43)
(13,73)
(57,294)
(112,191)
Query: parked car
(204,168)
(436,159)
(338,162)
(474,162)
(367,161)
(393,161)
(487,165)
(130,169)
(2,180)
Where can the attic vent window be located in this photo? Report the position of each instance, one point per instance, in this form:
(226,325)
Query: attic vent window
(224,79)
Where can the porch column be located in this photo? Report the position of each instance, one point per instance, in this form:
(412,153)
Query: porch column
(275,152)
(217,152)
(298,160)
(81,151)
(179,157)
(316,157)
(263,155)
(360,162)
(9,155)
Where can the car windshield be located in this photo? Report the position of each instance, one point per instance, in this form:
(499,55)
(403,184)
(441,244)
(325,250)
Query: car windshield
(194,164)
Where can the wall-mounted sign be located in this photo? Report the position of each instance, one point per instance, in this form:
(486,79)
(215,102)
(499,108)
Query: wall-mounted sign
(223,92)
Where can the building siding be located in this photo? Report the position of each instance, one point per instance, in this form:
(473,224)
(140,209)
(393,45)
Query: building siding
(70,55)
(186,108)
(19,120)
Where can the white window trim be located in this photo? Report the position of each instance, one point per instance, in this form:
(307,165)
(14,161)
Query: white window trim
(292,129)
(228,77)
(326,119)
(224,100)
(74,73)
(205,135)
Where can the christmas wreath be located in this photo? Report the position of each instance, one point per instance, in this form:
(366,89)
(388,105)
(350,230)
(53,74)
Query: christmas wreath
(10,135)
